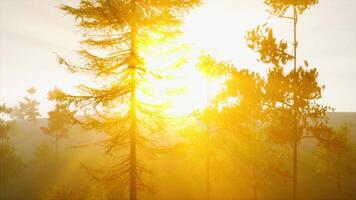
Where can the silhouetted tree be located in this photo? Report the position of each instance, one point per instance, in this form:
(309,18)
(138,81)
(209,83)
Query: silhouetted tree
(291,96)
(27,108)
(243,117)
(115,32)
(4,110)
(212,70)
(336,155)
(10,163)
(245,114)
(58,122)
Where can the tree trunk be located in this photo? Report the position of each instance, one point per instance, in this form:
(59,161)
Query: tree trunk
(133,167)
(2,173)
(208,164)
(56,145)
(295,143)
(254,182)
(208,192)
(295,171)
(338,176)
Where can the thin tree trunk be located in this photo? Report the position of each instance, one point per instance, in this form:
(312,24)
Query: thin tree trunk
(2,173)
(295,170)
(208,192)
(208,164)
(133,168)
(338,180)
(254,182)
(56,145)
(295,143)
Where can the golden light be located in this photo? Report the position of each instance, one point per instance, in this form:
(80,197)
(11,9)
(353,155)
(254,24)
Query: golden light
(189,90)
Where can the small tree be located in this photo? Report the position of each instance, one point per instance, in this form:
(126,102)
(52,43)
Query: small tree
(58,122)
(27,108)
(336,155)
(4,110)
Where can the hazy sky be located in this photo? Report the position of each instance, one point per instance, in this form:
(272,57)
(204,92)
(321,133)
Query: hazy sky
(31,31)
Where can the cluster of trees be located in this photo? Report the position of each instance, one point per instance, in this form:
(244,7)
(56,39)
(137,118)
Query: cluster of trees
(11,165)
(262,118)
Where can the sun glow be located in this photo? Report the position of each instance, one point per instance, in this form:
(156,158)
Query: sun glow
(188,89)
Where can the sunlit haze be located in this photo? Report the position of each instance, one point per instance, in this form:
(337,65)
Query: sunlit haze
(28,46)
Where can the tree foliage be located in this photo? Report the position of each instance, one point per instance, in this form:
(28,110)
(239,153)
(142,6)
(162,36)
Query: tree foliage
(115,32)
(10,164)
(27,109)
(336,155)
(59,120)
(279,7)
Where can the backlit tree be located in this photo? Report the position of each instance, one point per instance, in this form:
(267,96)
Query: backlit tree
(291,95)
(59,120)
(336,155)
(27,108)
(10,163)
(115,32)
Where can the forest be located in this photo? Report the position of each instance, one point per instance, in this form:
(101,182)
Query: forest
(135,129)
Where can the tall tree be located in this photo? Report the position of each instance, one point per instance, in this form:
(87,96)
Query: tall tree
(115,32)
(28,107)
(290,95)
(58,122)
(212,70)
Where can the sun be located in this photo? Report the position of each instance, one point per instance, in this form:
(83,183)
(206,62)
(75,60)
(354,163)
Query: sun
(197,92)
(185,89)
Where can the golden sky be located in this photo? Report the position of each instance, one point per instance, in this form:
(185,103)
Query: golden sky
(31,31)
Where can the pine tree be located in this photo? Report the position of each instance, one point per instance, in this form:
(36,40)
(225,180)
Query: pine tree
(115,33)
(292,95)
(212,70)
(58,122)
(27,108)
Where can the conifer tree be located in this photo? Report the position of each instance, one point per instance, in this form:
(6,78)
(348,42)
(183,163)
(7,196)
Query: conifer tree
(28,107)
(212,70)
(115,32)
(291,95)
(58,122)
